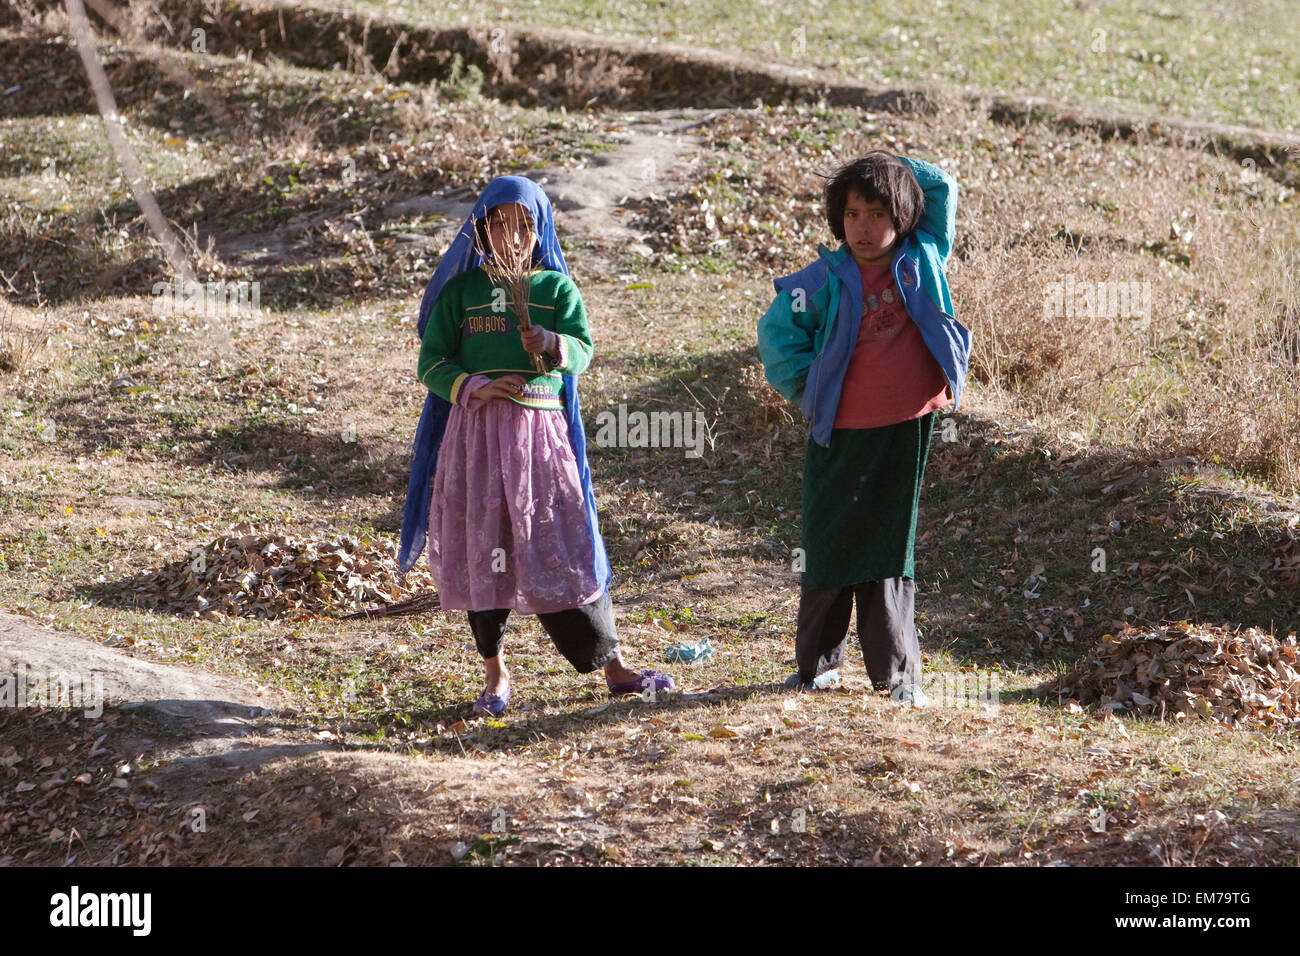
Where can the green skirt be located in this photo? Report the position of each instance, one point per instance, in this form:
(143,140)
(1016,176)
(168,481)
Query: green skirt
(860,498)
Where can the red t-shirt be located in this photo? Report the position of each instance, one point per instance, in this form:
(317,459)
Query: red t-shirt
(892,377)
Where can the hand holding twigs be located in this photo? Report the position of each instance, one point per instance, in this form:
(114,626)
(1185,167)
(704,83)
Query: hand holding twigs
(537,340)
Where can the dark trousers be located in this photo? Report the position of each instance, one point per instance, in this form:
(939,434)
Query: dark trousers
(886,630)
(585,635)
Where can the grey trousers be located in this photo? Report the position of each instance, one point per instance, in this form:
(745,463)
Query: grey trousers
(886,630)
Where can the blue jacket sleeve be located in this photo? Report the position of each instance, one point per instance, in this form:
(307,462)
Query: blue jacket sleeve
(787,335)
(940,217)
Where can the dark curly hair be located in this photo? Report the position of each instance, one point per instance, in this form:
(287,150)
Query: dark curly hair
(880,177)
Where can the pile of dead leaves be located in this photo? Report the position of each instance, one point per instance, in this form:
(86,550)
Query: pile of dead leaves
(270,575)
(1191,670)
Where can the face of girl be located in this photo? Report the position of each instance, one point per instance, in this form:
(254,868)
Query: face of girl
(868,230)
(510,231)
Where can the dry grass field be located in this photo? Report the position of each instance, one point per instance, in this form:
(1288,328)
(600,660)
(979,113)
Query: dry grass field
(1151,414)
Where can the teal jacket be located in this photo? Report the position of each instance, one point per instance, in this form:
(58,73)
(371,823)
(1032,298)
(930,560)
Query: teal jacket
(808,335)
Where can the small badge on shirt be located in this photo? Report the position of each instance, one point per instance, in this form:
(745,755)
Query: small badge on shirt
(880,318)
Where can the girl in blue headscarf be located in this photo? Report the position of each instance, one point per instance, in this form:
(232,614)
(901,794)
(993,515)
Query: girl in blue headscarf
(499,479)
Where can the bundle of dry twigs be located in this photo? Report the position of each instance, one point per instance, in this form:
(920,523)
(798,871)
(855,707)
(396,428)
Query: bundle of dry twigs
(511,270)
(416,605)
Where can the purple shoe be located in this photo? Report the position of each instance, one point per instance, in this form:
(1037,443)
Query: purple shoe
(647,679)
(491,704)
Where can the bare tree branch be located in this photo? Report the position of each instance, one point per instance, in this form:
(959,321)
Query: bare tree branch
(169,64)
(144,197)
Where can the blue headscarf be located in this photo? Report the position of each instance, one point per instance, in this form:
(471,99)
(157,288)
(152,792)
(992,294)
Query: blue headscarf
(460,257)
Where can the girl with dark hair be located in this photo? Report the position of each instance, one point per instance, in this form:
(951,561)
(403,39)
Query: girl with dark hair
(865,340)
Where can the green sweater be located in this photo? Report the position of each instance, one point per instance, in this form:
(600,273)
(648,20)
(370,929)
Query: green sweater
(472,331)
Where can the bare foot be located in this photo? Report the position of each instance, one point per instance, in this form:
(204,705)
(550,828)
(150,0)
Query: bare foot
(616,672)
(498,678)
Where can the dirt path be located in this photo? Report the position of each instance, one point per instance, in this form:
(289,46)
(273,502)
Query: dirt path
(655,154)
(658,151)
(210,714)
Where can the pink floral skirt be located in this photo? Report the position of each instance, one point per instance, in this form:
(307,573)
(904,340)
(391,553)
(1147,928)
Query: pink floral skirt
(507,524)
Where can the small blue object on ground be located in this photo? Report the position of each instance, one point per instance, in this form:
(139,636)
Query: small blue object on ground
(689,653)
